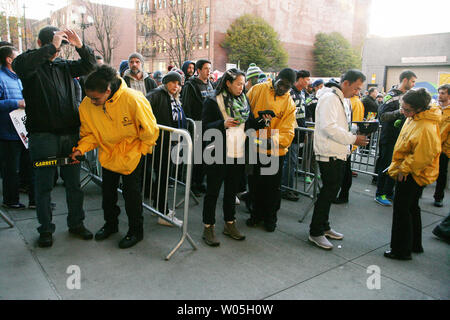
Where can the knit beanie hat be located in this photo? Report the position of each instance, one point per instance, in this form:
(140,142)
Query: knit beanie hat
(253,71)
(123,66)
(317,83)
(288,74)
(157,75)
(171,76)
(136,55)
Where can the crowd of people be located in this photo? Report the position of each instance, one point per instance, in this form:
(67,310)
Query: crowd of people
(75,106)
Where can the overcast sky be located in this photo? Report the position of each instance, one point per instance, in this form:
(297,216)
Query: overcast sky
(387,17)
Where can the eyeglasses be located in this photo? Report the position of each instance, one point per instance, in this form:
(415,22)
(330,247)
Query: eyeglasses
(407,110)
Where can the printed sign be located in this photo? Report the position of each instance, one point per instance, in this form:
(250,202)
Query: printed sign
(18,119)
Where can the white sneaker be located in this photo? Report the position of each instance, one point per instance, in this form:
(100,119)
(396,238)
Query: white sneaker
(322,242)
(238,202)
(171,216)
(334,235)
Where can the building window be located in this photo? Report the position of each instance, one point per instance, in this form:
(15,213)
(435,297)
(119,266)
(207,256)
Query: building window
(200,41)
(159,46)
(165,46)
(207,14)
(155,4)
(194,42)
(207,40)
(194,17)
(160,4)
(200,16)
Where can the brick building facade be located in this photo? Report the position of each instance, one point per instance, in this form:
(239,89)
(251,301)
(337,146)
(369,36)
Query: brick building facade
(296,21)
(70,17)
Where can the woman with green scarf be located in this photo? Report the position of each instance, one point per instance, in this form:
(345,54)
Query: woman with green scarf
(228,113)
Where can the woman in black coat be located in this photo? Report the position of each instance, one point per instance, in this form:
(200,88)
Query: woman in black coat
(228,111)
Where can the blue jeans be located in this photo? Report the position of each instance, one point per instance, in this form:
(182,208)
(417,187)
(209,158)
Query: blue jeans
(43,146)
(289,166)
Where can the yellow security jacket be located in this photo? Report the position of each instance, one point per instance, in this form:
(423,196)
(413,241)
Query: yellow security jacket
(445,128)
(418,148)
(262,97)
(357,112)
(123,129)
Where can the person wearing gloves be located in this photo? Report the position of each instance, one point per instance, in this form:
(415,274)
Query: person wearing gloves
(332,145)
(275,138)
(228,112)
(120,123)
(415,164)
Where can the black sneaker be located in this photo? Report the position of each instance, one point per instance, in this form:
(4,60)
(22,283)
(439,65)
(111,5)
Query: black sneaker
(438,203)
(82,232)
(129,241)
(17,206)
(340,200)
(270,227)
(45,240)
(290,195)
(105,232)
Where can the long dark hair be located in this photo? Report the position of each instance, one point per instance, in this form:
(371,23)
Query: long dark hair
(103,77)
(418,99)
(229,75)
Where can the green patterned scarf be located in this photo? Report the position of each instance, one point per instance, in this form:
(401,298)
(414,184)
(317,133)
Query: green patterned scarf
(239,106)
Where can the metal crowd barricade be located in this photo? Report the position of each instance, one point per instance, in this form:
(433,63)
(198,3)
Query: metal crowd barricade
(180,147)
(7,220)
(303,178)
(364,159)
(192,129)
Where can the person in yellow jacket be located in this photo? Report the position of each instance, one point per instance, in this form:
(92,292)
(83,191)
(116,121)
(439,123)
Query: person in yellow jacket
(444,104)
(415,164)
(357,115)
(275,140)
(119,122)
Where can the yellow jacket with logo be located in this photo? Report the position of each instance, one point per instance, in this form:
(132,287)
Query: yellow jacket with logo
(123,129)
(357,112)
(262,97)
(445,129)
(418,148)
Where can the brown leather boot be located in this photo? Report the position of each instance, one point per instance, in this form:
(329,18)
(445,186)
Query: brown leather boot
(231,231)
(209,236)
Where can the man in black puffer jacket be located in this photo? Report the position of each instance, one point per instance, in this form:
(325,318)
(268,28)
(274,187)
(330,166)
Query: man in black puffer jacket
(53,122)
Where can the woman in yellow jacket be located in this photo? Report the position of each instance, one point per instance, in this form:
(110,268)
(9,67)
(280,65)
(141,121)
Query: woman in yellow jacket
(120,123)
(415,163)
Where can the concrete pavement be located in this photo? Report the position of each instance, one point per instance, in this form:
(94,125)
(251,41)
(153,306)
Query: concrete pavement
(278,265)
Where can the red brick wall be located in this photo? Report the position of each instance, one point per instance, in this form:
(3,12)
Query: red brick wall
(296,21)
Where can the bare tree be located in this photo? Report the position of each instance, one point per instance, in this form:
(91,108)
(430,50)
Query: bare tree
(177,31)
(106,27)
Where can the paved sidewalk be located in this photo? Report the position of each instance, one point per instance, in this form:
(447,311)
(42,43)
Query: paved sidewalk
(278,265)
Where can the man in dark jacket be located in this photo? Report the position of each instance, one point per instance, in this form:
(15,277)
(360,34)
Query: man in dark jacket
(195,91)
(12,149)
(391,123)
(188,69)
(135,77)
(370,104)
(53,122)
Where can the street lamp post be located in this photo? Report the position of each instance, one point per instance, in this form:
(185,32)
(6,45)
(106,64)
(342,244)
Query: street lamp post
(84,25)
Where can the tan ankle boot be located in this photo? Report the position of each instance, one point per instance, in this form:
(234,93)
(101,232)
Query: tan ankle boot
(231,231)
(209,236)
